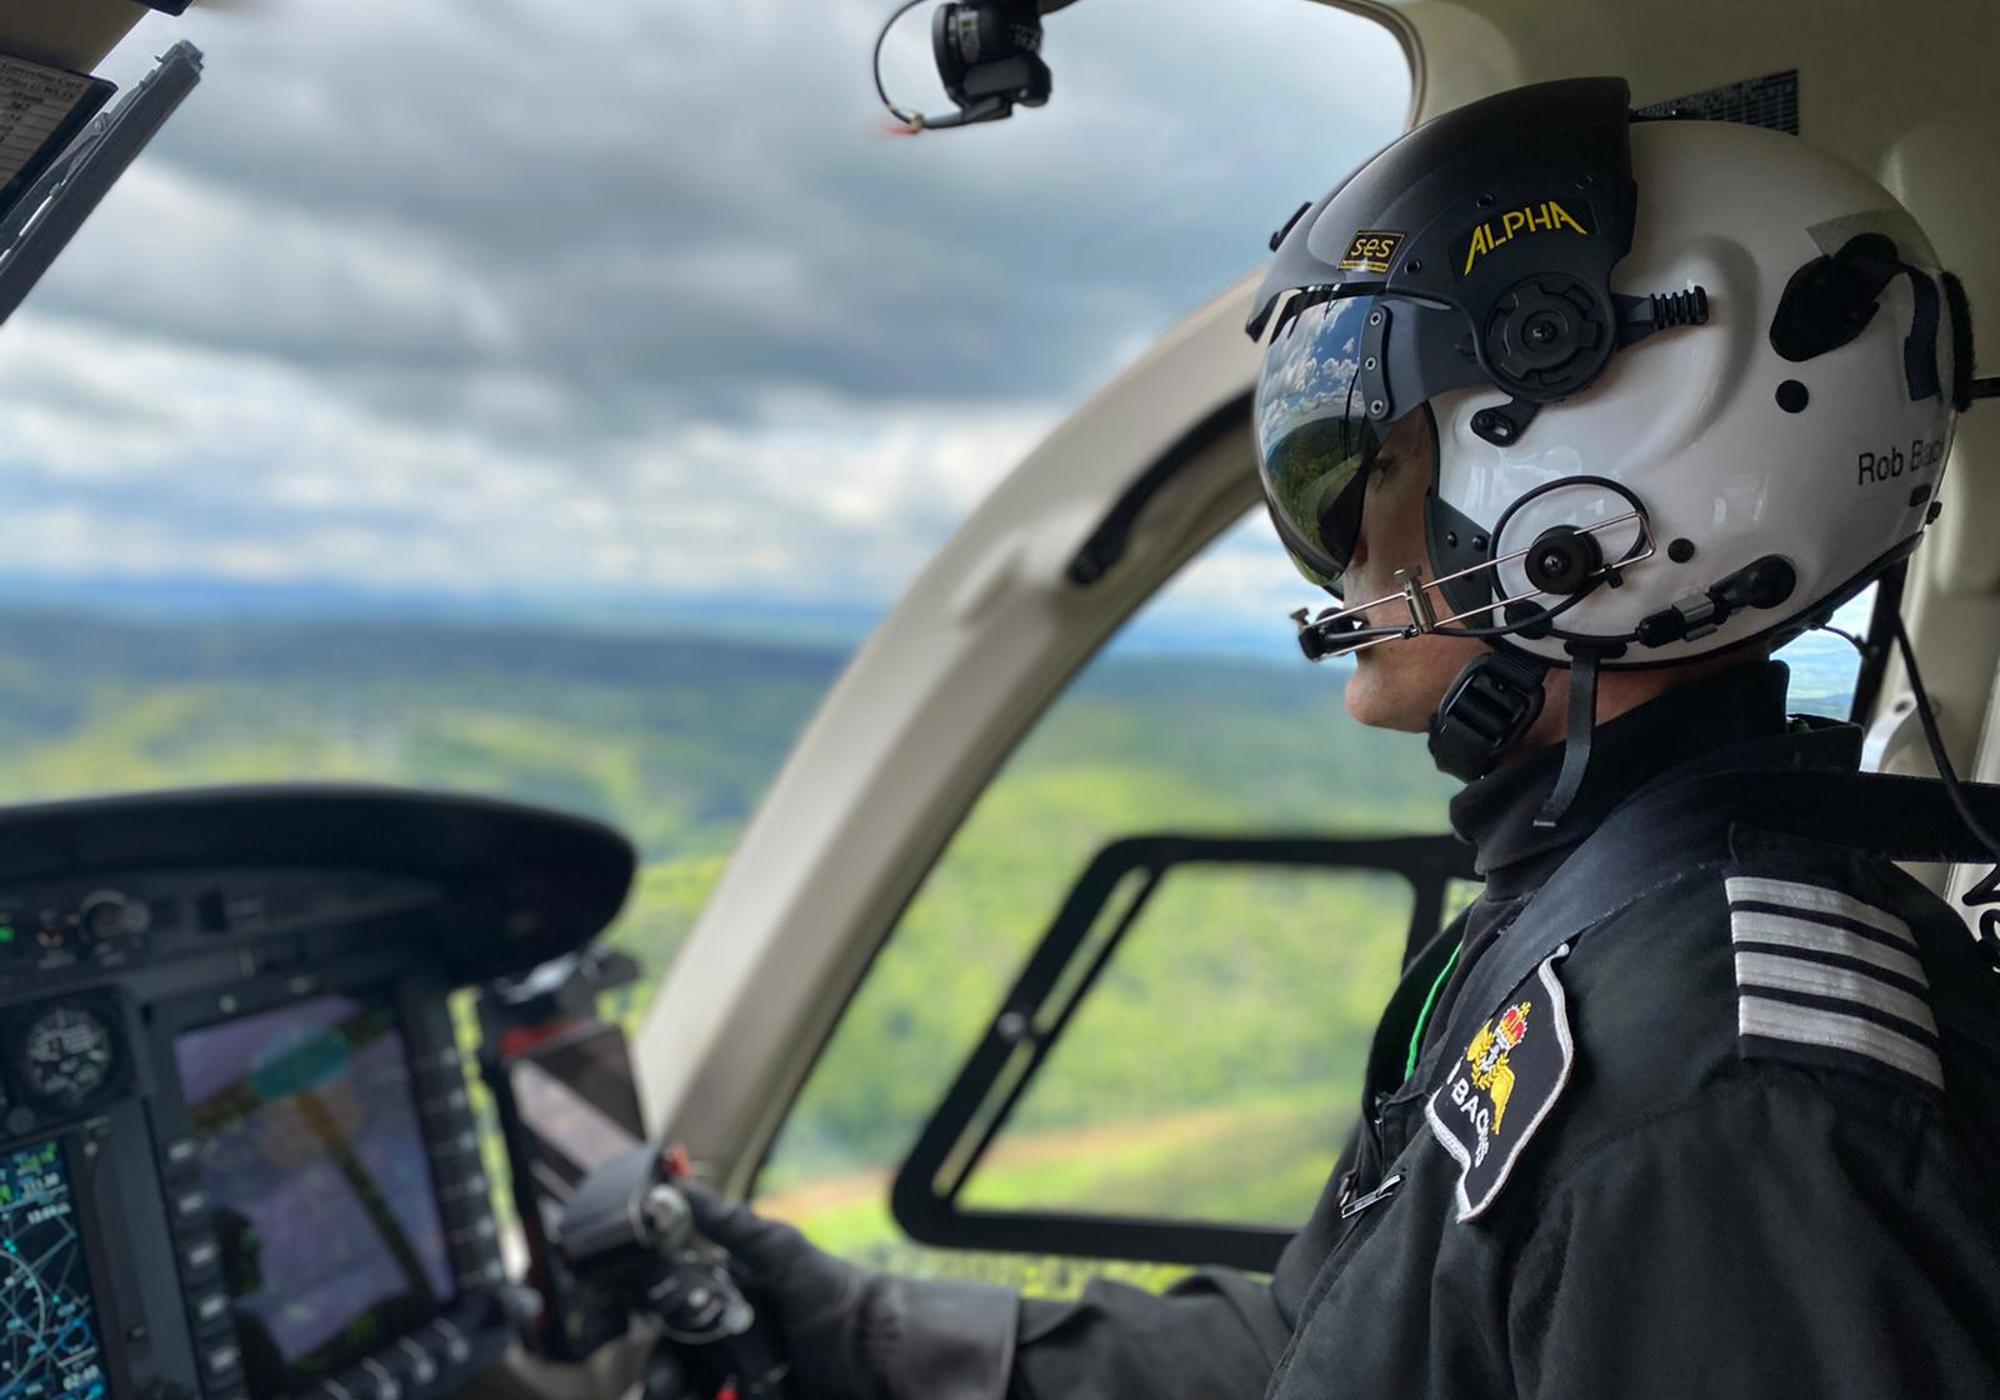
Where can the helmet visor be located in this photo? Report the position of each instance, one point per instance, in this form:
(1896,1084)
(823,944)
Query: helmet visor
(1315,438)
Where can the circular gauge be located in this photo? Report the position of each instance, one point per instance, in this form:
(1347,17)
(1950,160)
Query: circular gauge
(68,1055)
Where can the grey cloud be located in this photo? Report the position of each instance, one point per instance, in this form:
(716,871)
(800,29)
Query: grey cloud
(141,458)
(668,200)
(630,295)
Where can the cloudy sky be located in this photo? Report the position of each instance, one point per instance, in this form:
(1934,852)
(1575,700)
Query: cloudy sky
(632,298)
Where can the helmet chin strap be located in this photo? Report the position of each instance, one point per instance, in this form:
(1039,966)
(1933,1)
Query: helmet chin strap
(1493,703)
(1485,713)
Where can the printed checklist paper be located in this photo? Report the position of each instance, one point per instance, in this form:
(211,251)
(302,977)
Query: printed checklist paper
(39,108)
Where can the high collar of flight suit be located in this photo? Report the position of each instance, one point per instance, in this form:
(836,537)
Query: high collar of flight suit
(1496,813)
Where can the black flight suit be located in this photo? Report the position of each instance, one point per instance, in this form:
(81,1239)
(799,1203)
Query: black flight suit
(1750,1143)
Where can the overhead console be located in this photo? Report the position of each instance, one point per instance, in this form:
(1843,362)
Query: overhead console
(237,1154)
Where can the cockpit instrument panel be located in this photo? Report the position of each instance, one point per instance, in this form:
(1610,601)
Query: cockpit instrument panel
(238,1157)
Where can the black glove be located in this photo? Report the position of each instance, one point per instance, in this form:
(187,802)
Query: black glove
(855,1335)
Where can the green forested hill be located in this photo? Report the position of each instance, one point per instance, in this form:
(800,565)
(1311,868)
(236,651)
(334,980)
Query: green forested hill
(671,739)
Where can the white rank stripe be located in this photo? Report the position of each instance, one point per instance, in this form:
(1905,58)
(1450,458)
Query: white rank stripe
(1808,900)
(1788,974)
(1809,1025)
(1756,926)
(1856,964)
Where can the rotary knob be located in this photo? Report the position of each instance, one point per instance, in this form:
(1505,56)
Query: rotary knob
(105,915)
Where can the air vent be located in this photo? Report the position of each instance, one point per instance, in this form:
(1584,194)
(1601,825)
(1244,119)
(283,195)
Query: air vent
(1771,102)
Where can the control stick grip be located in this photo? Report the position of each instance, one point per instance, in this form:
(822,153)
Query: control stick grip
(629,1232)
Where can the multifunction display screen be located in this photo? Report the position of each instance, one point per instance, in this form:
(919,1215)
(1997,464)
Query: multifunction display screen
(316,1168)
(48,1325)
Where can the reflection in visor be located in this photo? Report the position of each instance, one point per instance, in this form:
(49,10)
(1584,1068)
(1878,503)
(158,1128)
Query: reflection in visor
(1314,440)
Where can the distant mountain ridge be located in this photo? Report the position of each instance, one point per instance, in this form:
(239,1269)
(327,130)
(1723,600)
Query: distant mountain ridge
(84,646)
(192,598)
(1823,665)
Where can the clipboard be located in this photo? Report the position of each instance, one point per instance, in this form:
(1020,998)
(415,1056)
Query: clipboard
(41,111)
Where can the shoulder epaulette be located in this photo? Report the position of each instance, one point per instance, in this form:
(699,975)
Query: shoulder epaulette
(1823,976)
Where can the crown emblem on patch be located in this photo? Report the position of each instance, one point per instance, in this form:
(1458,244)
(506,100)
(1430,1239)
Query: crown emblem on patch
(1488,1057)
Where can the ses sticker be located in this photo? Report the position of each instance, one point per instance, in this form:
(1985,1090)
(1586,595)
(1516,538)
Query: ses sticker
(1501,1088)
(1544,216)
(1372,250)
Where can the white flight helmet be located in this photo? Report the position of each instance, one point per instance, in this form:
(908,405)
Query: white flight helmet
(1693,383)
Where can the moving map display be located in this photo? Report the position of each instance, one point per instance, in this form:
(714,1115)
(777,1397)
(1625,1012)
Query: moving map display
(314,1160)
(48,1324)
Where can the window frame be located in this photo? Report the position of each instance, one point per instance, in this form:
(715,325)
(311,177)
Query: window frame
(993,1080)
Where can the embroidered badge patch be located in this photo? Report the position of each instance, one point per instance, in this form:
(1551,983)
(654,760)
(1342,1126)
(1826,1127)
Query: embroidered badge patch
(1498,1091)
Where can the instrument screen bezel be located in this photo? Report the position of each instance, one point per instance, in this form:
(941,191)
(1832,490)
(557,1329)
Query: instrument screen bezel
(406,998)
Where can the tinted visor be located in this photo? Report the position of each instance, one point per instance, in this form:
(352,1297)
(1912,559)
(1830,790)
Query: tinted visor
(1315,440)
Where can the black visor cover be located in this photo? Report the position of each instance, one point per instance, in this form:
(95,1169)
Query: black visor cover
(1461,212)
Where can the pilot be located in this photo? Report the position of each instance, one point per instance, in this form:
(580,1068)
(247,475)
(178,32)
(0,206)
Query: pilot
(1581,416)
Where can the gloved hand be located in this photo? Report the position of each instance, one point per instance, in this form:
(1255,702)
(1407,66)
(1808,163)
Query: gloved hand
(855,1335)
